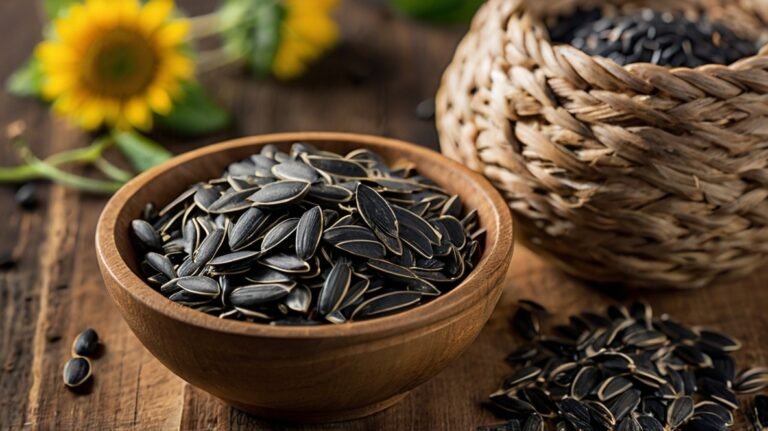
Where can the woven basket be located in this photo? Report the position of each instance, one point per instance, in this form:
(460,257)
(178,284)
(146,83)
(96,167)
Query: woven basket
(641,174)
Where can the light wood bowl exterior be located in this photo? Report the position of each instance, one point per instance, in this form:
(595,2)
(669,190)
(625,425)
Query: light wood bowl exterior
(304,374)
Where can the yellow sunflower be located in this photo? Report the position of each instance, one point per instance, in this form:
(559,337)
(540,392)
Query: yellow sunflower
(115,62)
(306,33)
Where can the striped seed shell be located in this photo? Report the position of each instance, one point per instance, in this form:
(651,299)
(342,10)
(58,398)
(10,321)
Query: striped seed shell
(334,288)
(278,234)
(379,216)
(299,299)
(293,170)
(336,166)
(679,411)
(86,343)
(199,285)
(258,294)
(286,263)
(147,234)
(247,228)
(522,376)
(309,231)
(279,193)
(77,371)
(161,263)
(385,303)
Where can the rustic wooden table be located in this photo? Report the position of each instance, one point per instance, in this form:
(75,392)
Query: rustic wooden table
(372,84)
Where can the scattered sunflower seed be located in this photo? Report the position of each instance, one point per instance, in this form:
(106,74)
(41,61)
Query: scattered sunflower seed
(307,237)
(626,369)
(77,371)
(86,343)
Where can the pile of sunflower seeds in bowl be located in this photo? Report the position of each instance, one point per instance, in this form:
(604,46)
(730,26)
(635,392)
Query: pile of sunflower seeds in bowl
(624,370)
(309,237)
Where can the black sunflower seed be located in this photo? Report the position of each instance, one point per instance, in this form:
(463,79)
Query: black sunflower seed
(385,303)
(293,170)
(718,391)
(161,263)
(278,234)
(719,341)
(147,234)
(279,193)
(202,286)
(752,380)
(522,376)
(711,408)
(613,387)
(625,403)
(337,166)
(77,371)
(334,288)
(629,423)
(526,323)
(600,415)
(286,263)
(379,216)
(540,401)
(257,294)
(231,202)
(363,248)
(247,228)
(679,411)
(649,423)
(309,231)
(587,379)
(86,343)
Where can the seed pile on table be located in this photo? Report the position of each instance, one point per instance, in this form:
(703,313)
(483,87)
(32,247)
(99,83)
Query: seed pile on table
(309,237)
(654,37)
(78,369)
(625,370)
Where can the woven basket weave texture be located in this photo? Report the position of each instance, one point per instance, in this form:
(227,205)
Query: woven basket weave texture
(641,174)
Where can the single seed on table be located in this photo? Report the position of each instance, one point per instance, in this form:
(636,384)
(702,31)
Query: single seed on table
(86,343)
(77,371)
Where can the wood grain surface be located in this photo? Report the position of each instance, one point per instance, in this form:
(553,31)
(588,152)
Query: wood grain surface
(371,84)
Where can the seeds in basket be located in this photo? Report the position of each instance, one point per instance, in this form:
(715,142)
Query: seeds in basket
(654,37)
(594,375)
(309,237)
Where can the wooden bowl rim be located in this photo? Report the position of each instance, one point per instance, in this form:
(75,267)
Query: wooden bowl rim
(441,308)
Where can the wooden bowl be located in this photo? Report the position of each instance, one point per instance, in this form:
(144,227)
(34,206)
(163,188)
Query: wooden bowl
(304,374)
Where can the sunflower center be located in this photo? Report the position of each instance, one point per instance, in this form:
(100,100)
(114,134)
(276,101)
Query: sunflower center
(120,63)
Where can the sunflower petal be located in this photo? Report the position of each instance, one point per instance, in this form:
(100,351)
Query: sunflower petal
(154,14)
(137,114)
(173,34)
(159,100)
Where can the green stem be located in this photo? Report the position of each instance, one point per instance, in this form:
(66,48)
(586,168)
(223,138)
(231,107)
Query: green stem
(18,174)
(215,59)
(203,26)
(35,168)
(88,154)
(55,174)
(112,171)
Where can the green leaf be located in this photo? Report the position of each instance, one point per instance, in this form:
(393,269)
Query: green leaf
(251,31)
(142,152)
(27,81)
(441,11)
(54,8)
(195,114)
